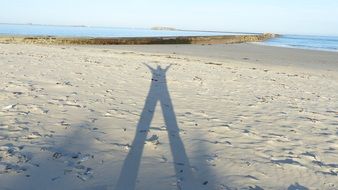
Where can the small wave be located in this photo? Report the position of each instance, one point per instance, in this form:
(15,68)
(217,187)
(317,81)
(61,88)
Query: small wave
(322,43)
(299,47)
(311,38)
(313,47)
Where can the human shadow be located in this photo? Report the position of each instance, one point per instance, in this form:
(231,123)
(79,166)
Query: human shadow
(158,92)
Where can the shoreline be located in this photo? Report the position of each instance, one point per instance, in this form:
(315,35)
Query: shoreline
(245,52)
(226,39)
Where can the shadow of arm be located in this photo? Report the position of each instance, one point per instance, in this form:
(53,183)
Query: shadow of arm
(167,68)
(150,68)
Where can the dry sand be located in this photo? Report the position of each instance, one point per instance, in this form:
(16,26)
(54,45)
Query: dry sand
(204,117)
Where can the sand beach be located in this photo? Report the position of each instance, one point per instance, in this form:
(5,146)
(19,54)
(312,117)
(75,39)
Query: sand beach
(213,117)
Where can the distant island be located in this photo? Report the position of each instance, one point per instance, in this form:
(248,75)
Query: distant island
(37,24)
(162,28)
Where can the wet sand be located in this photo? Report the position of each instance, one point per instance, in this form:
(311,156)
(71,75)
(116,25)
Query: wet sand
(248,52)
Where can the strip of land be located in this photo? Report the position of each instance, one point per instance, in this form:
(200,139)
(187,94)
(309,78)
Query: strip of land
(227,39)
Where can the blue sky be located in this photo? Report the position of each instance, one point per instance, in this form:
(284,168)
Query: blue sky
(278,16)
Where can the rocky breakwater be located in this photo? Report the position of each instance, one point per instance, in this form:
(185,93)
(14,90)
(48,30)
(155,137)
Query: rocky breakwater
(226,39)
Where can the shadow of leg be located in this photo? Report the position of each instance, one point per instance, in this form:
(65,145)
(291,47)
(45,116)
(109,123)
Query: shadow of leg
(184,175)
(128,175)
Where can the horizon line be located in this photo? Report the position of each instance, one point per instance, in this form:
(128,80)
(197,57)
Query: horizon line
(174,29)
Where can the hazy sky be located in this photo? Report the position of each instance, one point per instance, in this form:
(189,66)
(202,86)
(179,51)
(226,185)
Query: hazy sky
(279,16)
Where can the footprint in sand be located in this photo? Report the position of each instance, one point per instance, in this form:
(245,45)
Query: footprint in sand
(153,141)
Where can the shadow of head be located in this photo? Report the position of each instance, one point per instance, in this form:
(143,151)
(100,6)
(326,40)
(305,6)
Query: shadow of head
(297,186)
(158,70)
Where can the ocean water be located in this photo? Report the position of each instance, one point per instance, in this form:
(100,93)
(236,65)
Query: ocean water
(75,31)
(324,43)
